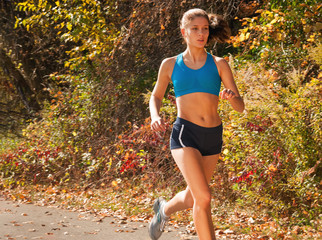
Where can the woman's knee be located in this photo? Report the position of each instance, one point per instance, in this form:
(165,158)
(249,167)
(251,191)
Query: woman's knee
(203,199)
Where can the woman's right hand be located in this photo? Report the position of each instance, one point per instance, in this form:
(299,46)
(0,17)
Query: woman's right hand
(157,124)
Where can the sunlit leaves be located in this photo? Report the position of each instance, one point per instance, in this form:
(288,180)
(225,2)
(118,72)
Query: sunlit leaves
(84,24)
(274,148)
(280,27)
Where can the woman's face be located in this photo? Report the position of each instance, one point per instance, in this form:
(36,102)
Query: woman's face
(196,32)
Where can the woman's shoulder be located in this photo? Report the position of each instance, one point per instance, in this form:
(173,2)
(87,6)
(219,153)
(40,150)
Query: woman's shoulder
(222,64)
(219,60)
(168,63)
(169,60)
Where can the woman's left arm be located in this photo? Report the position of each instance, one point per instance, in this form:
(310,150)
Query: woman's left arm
(230,91)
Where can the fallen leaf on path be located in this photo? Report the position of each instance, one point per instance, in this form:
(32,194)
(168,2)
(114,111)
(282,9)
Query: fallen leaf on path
(251,220)
(228,231)
(28,222)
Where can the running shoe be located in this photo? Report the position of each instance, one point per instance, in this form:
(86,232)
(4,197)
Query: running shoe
(158,222)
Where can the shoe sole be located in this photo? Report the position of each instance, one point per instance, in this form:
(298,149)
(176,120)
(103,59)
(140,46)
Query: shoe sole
(156,207)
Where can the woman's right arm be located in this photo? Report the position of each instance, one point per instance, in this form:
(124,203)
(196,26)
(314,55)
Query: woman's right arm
(164,77)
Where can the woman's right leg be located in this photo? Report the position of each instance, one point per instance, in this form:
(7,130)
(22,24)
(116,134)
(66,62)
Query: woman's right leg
(181,201)
(190,163)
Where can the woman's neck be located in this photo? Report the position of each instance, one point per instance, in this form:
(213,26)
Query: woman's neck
(195,54)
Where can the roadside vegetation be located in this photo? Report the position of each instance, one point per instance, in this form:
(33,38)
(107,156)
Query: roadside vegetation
(75,80)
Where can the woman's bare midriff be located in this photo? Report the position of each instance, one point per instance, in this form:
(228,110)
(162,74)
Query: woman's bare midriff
(199,108)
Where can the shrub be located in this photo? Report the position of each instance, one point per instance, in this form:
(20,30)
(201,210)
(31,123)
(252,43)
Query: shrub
(273,151)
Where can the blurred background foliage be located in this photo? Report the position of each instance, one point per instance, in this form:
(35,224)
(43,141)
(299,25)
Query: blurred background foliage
(76,77)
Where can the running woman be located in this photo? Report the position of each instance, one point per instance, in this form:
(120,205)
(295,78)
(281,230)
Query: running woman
(196,138)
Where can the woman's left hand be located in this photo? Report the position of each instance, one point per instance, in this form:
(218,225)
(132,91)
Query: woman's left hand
(227,94)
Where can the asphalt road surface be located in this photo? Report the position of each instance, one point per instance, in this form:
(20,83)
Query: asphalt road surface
(28,221)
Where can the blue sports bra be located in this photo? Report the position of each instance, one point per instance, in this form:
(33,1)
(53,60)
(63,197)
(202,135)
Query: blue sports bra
(186,80)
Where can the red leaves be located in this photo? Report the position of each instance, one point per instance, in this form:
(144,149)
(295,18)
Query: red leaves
(172,99)
(260,124)
(133,148)
(131,162)
(254,127)
(246,176)
(28,162)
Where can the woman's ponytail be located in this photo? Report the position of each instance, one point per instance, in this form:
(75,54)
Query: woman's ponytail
(219,29)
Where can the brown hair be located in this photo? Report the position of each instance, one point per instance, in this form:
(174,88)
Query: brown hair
(218,27)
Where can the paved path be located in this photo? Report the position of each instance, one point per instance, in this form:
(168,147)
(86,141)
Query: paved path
(28,221)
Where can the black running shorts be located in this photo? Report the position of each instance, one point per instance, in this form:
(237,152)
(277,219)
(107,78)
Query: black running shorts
(187,134)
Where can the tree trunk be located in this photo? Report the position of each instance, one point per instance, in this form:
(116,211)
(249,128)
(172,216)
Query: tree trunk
(23,89)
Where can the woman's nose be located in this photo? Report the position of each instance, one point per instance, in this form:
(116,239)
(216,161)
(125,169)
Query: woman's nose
(200,32)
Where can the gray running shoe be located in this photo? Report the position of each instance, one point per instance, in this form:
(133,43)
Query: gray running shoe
(158,222)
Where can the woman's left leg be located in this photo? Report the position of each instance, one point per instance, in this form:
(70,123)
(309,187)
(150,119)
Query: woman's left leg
(183,200)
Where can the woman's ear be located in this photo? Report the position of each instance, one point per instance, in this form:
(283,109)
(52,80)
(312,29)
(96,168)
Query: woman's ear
(183,32)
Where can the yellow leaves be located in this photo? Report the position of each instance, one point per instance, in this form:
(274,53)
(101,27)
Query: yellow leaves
(266,38)
(271,29)
(267,14)
(67,64)
(247,36)
(243,36)
(304,63)
(320,75)
(272,168)
(303,20)
(114,183)
(312,37)
(69,26)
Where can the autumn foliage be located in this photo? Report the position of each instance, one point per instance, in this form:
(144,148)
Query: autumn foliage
(93,126)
